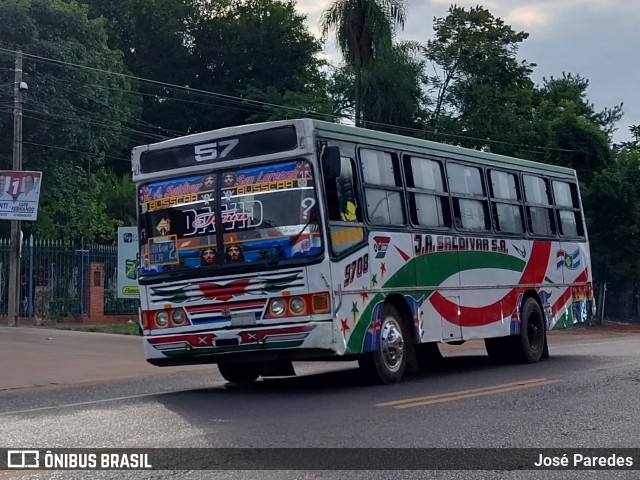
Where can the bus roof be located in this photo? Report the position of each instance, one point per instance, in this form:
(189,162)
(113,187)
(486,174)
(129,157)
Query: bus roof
(368,137)
(400,142)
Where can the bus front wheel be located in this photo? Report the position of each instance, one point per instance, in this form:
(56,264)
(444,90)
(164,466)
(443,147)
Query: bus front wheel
(387,363)
(245,372)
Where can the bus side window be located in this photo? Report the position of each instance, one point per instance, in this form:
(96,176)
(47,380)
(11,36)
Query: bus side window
(342,204)
(346,193)
(343,209)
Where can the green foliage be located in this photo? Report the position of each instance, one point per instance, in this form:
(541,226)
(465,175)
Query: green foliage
(613,208)
(480,84)
(392,89)
(577,136)
(119,197)
(634,144)
(74,118)
(82,215)
(364,29)
(17,26)
(238,49)
(156,40)
(258,50)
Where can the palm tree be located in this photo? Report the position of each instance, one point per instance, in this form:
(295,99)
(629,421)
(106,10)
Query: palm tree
(363,29)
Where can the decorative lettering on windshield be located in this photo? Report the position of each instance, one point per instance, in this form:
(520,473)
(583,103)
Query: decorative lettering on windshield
(237,215)
(269,213)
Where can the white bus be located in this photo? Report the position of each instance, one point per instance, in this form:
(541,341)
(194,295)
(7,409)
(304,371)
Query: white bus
(306,240)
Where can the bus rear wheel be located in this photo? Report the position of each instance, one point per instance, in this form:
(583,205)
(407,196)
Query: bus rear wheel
(245,372)
(387,364)
(529,346)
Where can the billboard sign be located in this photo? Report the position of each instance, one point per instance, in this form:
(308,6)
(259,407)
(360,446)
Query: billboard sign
(19,195)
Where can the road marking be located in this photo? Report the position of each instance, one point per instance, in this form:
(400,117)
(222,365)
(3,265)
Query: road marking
(461,394)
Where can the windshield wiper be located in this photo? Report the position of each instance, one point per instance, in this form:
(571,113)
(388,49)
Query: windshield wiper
(293,240)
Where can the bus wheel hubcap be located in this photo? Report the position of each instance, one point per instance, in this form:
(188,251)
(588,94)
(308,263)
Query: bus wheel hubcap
(392,345)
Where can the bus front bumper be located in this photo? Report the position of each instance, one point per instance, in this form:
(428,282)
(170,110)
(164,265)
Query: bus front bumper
(265,343)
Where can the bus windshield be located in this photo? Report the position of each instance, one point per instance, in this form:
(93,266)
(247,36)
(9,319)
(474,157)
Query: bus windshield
(268,214)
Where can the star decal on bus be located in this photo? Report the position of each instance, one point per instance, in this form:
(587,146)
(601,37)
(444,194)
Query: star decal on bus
(364,295)
(344,326)
(355,311)
(374,280)
(383,270)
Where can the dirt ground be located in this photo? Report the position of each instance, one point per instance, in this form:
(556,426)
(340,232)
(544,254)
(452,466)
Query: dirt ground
(607,328)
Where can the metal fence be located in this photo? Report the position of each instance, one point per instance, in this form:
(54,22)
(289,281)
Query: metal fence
(63,267)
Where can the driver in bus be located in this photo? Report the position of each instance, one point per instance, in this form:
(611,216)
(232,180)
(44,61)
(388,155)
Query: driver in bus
(234,254)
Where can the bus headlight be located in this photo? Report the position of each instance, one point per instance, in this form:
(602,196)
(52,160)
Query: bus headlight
(177,316)
(278,307)
(297,305)
(162,318)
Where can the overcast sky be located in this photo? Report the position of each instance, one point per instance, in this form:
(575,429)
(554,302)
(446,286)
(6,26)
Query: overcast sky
(598,39)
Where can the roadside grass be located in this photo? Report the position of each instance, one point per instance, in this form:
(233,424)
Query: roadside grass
(119,328)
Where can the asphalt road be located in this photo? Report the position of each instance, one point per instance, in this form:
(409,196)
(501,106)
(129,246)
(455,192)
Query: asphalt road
(585,395)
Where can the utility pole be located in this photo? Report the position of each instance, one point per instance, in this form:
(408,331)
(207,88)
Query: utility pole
(16,233)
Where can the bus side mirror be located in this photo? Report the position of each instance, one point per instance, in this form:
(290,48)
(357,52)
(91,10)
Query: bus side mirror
(331,162)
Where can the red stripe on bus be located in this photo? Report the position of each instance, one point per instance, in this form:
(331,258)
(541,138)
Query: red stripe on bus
(534,273)
(564,298)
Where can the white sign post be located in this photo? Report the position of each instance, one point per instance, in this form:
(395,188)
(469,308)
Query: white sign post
(128,262)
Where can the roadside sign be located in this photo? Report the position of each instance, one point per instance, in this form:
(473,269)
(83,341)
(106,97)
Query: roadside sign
(128,262)
(19,195)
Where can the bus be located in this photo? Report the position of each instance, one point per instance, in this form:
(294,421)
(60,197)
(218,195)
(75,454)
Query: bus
(297,240)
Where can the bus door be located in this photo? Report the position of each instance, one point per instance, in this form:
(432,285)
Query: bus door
(350,273)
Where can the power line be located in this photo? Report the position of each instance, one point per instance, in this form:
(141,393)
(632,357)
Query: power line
(122,158)
(74,150)
(67,86)
(152,82)
(96,123)
(247,102)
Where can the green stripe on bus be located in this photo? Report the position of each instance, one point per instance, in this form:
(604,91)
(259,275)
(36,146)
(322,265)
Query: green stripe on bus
(433,269)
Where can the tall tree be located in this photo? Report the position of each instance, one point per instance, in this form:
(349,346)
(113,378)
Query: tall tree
(254,51)
(156,37)
(576,135)
(479,83)
(75,119)
(239,53)
(364,28)
(613,213)
(392,94)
